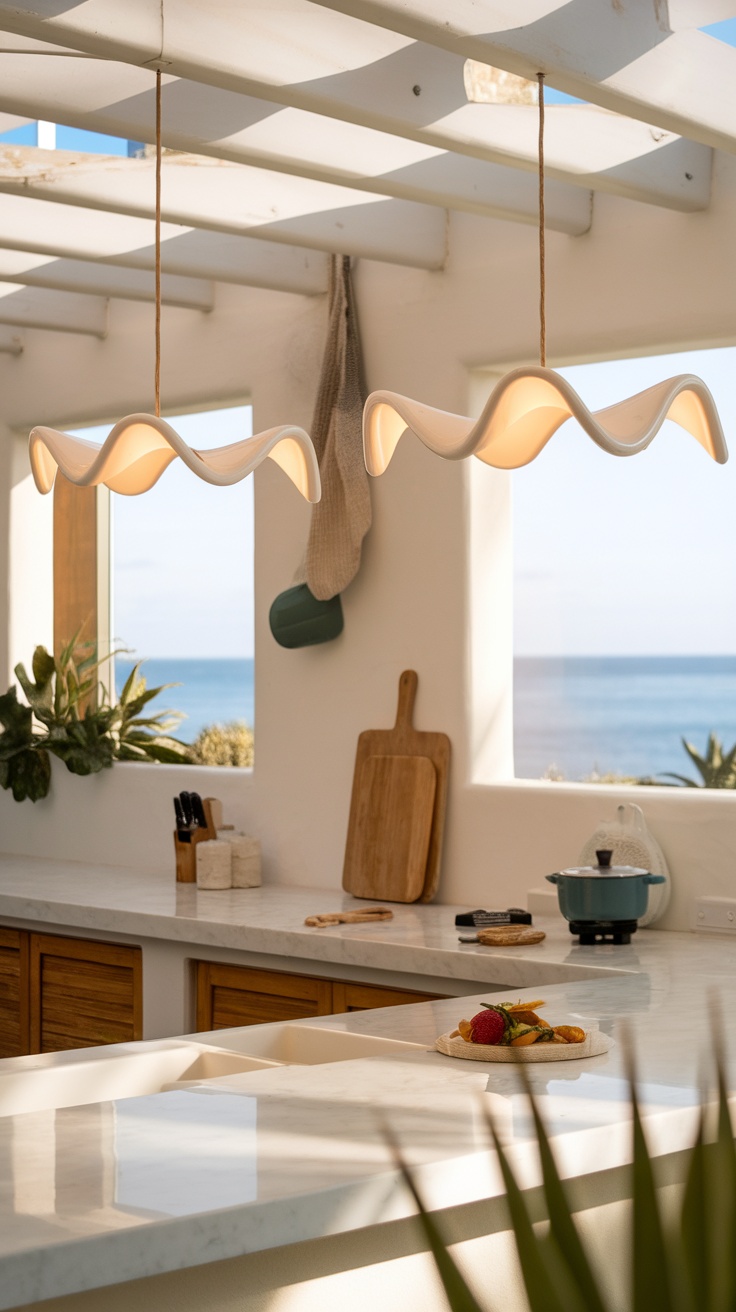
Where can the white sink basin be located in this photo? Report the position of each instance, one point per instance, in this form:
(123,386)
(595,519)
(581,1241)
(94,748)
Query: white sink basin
(299,1044)
(124,1070)
(129,1070)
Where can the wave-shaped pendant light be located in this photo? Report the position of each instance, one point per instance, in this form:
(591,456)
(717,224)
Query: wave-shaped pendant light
(141,446)
(529,404)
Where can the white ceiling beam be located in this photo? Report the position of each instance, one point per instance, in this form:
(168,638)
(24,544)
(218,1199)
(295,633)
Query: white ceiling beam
(241,129)
(698,13)
(623,56)
(34,270)
(8,122)
(383,85)
(233,198)
(61,312)
(73,233)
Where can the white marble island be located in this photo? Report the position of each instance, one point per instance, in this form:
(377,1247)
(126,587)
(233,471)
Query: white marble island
(272,1189)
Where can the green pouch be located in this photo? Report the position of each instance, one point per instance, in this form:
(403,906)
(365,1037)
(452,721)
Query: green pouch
(298,619)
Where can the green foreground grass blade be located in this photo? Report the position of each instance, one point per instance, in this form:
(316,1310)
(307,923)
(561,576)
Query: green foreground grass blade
(721,1190)
(562,1226)
(693,1231)
(547,1284)
(651,1277)
(459,1294)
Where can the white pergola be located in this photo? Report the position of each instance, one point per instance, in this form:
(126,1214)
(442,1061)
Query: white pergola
(354,126)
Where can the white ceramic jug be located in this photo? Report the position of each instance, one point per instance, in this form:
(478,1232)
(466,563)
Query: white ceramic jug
(632,844)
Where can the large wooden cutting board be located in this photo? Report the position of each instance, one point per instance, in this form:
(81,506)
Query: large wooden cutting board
(373,822)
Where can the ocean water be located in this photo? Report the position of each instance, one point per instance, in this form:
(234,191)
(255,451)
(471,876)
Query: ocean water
(209,691)
(620,714)
(573,714)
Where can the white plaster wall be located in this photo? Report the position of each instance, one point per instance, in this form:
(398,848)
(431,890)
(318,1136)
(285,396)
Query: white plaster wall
(435,589)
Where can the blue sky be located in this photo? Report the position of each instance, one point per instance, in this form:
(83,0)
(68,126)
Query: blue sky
(635,555)
(183,553)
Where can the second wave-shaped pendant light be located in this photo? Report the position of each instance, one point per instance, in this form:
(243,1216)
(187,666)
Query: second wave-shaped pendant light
(529,404)
(527,407)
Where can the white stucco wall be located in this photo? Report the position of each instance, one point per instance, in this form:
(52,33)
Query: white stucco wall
(435,589)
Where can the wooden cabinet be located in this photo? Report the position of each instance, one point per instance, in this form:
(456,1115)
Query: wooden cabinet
(364,997)
(58,993)
(14,993)
(83,993)
(237,995)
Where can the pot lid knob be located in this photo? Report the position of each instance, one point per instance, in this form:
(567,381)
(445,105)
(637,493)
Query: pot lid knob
(603,856)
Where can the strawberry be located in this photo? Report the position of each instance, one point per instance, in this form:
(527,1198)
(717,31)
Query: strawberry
(488,1026)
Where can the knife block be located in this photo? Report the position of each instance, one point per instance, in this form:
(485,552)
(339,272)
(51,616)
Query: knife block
(186,853)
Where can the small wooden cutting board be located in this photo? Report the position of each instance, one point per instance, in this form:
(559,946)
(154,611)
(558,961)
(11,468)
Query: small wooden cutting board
(398,801)
(393,826)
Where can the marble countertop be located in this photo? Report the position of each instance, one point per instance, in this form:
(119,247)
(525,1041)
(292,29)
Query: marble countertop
(420,940)
(98,1194)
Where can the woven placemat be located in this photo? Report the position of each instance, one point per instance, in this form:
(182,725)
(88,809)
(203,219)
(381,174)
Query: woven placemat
(595,1044)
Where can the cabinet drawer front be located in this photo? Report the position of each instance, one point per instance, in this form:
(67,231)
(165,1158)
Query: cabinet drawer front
(83,993)
(364,997)
(236,995)
(13,993)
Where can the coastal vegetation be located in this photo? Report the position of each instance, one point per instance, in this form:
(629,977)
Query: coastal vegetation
(716,769)
(224,744)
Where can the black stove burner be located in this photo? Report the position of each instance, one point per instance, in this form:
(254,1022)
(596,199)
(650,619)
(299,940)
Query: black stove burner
(603,931)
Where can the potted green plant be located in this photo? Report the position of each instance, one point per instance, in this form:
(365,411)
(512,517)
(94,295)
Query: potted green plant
(68,715)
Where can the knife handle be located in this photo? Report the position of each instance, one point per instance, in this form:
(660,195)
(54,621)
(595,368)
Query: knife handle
(198,814)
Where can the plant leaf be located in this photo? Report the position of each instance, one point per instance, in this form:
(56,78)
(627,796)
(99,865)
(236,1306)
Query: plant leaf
(39,698)
(693,1235)
(169,752)
(562,1226)
(545,1288)
(17,720)
(29,775)
(651,1288)
(721,1191)
(459,1294)
(82,749)
(42,666)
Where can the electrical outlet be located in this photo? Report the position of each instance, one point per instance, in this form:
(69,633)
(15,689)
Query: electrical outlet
(716,913)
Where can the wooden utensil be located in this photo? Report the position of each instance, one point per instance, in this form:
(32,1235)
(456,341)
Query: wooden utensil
(349,917)
(510,936)
(391,807)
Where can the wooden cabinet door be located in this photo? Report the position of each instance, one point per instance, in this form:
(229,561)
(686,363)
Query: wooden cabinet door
(83,993)
(363,997)
(238,995)
(14,1036)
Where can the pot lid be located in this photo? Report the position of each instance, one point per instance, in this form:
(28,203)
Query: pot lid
(603,872)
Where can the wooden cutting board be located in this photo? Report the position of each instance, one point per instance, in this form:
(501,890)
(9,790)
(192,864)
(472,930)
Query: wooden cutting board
(373,825)
(393,827)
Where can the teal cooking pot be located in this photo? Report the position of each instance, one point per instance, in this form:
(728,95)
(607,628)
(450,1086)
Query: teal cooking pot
(603,892)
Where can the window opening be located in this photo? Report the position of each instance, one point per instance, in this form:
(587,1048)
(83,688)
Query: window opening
(182,558)
(624,627)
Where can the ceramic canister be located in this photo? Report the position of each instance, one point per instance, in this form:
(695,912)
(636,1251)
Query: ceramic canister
(214,864)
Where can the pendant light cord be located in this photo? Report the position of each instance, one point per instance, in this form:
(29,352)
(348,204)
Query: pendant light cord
(157,369)
(542,274)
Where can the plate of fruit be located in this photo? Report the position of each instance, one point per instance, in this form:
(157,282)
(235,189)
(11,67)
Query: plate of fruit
(513,1031)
